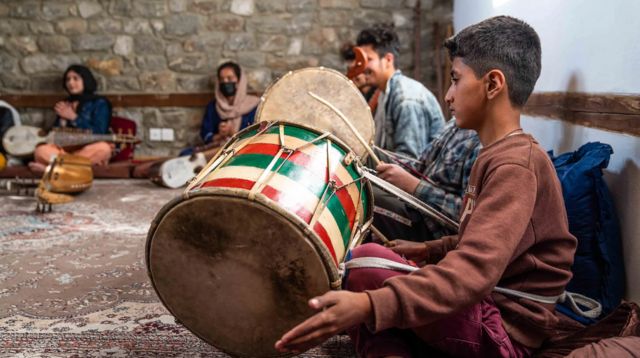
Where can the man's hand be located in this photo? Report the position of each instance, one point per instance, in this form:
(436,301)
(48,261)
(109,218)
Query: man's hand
(397,176)
(339,310)
(65,110)
(414,251)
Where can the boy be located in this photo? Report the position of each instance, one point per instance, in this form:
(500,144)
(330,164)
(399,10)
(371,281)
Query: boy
(513,231)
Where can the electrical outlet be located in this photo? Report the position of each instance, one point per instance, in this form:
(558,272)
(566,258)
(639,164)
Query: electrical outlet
(167,135)
(155,134)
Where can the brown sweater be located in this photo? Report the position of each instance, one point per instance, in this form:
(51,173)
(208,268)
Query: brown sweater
(513,234)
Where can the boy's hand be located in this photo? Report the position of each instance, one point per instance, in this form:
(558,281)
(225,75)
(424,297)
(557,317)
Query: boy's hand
(339,310)
(414,251)
(397,176)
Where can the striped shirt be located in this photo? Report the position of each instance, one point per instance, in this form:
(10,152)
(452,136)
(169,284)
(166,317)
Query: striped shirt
(445,166)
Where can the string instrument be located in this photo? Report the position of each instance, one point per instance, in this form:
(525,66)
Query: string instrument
(358,67)
(176,172)
(21,141)
(359,63)
(18,186)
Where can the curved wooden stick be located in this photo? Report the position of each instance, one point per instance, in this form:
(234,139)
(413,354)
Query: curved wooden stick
(348,123)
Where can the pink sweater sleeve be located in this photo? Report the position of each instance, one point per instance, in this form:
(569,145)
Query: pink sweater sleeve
(502,213)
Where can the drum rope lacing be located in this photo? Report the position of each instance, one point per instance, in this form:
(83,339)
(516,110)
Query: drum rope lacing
(268,173)
(224,155)
(594,308)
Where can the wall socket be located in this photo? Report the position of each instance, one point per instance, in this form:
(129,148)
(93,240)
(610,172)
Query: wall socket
(167,135)
(161,134)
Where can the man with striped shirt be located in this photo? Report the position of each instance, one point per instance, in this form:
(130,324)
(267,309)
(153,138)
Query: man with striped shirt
(438,179)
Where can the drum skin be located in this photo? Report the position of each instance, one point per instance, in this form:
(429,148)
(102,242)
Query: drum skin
(288,100)
(238,287)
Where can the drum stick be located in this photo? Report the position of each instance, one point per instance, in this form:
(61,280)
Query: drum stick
(380,235)
(348,123)
(411,200)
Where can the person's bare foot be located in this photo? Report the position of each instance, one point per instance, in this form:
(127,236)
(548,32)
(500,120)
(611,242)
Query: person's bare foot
(37,168)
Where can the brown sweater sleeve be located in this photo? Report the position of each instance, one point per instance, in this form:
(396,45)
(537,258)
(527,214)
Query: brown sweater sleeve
(502,212)
(437,249)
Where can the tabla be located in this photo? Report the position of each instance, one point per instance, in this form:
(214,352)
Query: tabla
(65,174)
(288,99)
(260,231)
(68,173)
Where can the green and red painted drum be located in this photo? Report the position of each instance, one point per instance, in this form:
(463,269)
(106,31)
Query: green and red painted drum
(260,231)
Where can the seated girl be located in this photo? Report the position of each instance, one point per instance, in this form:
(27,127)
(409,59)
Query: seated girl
(231,110)
(82,109)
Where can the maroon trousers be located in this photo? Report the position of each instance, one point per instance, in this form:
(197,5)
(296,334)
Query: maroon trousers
(474,332)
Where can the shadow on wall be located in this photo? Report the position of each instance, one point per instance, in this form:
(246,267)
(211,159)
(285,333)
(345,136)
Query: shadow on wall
(626,192)
(571,135)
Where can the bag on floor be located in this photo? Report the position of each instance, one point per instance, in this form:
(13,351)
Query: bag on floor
(598,268)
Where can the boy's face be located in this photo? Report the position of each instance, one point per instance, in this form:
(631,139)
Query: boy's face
(466,96)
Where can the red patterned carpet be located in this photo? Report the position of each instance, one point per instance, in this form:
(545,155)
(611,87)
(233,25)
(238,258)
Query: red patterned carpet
(73,282)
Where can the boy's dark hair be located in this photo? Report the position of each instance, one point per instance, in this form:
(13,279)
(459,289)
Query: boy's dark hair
(383,39)
(230,64)
(503,43)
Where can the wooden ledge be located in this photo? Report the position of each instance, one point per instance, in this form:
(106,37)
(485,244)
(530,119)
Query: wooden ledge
(117,100)
(618,113)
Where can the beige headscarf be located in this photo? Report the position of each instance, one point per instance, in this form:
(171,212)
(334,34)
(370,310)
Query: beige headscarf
(242,103)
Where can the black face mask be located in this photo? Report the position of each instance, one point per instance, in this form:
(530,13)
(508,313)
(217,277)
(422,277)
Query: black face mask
(228,89)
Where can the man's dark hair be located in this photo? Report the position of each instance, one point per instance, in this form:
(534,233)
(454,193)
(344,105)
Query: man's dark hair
(383,39)
(346,51)
(232,65)
(504,43)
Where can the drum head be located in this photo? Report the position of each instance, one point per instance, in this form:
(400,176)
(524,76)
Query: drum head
(234,272)
(288,100)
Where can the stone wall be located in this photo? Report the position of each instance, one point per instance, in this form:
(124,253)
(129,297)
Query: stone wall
(173,46)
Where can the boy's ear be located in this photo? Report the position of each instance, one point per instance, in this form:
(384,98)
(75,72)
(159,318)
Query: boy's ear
(495,83)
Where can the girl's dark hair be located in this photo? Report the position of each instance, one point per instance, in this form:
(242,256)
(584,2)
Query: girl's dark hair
(504,43)
(232,65)
(383,39)
(89,82)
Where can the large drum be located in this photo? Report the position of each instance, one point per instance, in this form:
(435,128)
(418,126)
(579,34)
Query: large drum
(296,98)
(259,231)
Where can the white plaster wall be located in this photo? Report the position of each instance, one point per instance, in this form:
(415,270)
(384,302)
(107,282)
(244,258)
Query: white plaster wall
(587,45)
(592,47)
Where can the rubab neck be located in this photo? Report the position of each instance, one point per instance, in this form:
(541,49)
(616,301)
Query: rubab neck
(69,139)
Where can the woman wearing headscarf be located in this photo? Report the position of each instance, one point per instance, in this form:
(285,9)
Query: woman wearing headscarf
(231,110)
(82,109)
